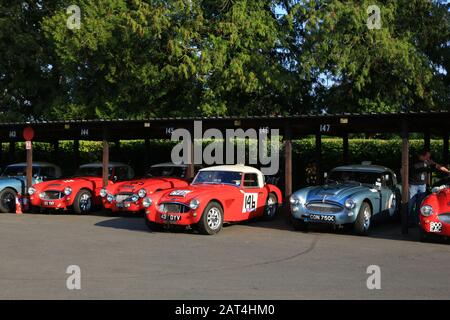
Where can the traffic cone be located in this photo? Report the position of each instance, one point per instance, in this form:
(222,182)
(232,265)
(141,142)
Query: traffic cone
(18,204)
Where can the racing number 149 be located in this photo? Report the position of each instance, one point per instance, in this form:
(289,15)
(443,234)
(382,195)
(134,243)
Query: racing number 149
(250,202)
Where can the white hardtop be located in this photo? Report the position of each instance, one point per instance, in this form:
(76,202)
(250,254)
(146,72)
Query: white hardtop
(233,168)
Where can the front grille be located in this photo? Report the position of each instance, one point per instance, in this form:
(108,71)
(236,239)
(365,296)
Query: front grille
(173,208)
(51,195)
(324,208)
(123,197)
(444,217)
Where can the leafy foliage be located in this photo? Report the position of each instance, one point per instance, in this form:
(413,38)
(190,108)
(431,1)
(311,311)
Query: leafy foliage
(137,59)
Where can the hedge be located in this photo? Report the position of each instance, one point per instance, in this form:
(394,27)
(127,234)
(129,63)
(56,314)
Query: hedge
(383,152)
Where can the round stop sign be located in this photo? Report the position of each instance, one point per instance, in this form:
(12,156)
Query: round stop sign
(28,133)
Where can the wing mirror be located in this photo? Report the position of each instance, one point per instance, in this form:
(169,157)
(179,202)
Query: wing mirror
(114,179)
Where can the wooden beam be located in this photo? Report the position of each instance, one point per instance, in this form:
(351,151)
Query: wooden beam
(445,156)
(345,150)
(319,175)
(405,178)
(105,171)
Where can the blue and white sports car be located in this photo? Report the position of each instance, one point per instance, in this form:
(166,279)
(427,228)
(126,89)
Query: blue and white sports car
(13,180)
(353,195)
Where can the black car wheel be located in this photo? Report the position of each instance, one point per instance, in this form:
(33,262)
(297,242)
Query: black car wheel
(83,202)
(271,208)
(363,220)
(8,200)
(211,221)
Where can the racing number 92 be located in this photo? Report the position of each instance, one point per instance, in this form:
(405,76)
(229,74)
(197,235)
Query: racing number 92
(250,202)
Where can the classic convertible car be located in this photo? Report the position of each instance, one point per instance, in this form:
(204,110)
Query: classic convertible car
(13,180)
(435,212)
(128,195)
(353,195)
(80,192)
(219,194)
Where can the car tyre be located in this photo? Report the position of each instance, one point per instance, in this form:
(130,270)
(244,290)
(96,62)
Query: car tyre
(363,220)
(8,200)
(271,207)
(211,221)
(83,202)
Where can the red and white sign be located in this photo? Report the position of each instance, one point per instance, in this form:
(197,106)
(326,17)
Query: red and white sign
(28,145)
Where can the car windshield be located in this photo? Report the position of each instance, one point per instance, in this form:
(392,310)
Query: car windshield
(14,171)
(218,177)
(165,171)
(94,171)
(364,177)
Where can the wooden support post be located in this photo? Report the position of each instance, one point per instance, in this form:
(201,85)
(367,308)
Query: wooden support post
(287,171)
(445,150)
(1,155)
(345,150)
(426,145)
(319,175)
(76,152)
(29,170)
(405,178)
(12,151)
(105,171)
(55,151)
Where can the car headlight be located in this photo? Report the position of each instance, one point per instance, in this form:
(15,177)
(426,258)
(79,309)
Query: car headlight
(350,203)
(294,200)
(67,191)
(142,193)
(194,204)
(147,202)
(42,195)
(426,210)
(134,197)
(103,193)
(110,198)
(31,191)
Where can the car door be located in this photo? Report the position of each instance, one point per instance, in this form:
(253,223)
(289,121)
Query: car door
(254,197)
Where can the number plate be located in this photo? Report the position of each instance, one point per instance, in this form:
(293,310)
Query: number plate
(435,227)
(49,203)
(170,217)
(322,218)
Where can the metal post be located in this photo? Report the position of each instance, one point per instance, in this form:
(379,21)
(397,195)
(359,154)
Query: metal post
(319,175)
(29,170)
(405,178)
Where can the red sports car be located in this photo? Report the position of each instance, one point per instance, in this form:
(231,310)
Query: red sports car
(217,195)
(435,213)
(80,192)
(128,195)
